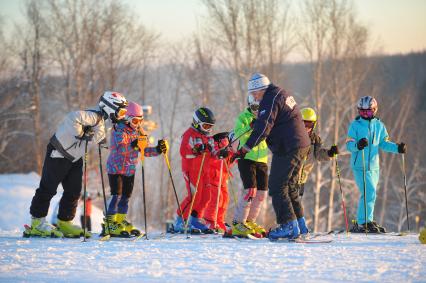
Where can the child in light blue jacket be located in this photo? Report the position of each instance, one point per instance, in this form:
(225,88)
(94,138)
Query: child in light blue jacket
(365,136)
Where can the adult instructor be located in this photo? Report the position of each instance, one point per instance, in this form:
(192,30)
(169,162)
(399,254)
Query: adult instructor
(280,123)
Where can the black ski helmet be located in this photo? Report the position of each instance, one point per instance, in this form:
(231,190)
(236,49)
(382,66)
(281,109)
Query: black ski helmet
(203,120)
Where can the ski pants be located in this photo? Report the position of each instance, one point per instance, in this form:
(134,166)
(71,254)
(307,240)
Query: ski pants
(221,204)
(201,197)
(371,181)
(56,171)
(121,191)
(283,188)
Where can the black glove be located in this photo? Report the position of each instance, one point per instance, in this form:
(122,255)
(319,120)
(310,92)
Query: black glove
(88,134)
(161,147)
(402,148)
(223,153)
(334,150)
(239,154)
(199,148)
(134,144)
(252,123)
(362,143)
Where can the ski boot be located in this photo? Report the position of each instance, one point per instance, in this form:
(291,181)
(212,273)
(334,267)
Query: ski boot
(259,231)
(179,227)
(289,230)
(114,229)
(70,230)
(376,226)
(422,236)
(241,230)
(121,219)
(41,228)
(198,224)
(359,228)
(304,231)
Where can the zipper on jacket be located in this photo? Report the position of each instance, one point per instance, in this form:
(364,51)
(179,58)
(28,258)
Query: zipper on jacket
(370,145)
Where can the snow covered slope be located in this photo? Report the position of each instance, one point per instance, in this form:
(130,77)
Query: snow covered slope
(16,193)
(372,258)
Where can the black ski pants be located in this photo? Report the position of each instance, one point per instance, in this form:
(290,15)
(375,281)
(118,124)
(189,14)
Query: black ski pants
(56,171)
(283,188)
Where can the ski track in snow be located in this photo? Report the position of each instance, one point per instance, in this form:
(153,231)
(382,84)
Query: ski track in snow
(212,259)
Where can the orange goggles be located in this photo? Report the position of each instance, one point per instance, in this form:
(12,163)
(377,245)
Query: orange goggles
(136,120)
(121,112)
(206,127)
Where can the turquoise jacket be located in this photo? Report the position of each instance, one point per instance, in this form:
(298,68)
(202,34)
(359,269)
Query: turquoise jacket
(375,132)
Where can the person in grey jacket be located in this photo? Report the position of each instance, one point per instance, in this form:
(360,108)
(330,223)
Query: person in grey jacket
(63,164)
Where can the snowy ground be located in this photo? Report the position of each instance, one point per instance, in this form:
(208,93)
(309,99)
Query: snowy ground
(354,258)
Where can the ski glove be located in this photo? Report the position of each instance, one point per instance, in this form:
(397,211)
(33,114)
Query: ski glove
(239,154)
(134,144)
(223,153)
(402,148)
(199,148)
(334,150)
(88,134)
(362,143)
(250,195)
(162,146)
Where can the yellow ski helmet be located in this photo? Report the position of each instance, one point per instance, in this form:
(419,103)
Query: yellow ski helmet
(309,115)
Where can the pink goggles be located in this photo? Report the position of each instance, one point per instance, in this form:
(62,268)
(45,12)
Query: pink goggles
(366,113)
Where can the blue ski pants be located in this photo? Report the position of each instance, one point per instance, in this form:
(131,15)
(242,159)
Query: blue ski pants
(371,181)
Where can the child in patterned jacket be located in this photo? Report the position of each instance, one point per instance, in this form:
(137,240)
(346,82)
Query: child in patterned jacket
(127,140)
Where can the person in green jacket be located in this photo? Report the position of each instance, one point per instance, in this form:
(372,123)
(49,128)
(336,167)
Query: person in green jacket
(254,175)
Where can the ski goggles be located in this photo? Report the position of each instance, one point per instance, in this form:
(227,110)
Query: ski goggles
(206,127)
(309,124)
(136,120)
(366,113)
(120,112)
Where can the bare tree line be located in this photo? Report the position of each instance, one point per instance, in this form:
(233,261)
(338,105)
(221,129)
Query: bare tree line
(70,51)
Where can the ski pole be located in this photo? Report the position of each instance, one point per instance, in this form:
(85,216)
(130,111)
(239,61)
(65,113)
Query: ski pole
(405,189)
(142,144)
(195,194)
(143,197)
(341,193)
(84,191)
(218,193)
(103,191)
(232,190)
(365,191)
(166,159)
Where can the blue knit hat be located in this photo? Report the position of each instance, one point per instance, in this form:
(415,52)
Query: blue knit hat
(257,82)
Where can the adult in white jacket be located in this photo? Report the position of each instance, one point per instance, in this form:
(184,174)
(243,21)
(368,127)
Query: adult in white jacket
(64,164)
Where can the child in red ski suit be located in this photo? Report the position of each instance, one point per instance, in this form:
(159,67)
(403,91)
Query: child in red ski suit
(196,152)
(218,201)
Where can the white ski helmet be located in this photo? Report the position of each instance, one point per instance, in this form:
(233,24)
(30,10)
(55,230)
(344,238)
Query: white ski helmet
(367,103)
(110,102)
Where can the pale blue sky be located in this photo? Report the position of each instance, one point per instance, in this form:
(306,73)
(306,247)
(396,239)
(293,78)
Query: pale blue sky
(399,26)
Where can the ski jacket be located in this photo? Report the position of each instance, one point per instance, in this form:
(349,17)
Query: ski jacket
(66,138)
(258,153)
(375,132)
(191,160)
(123,158)
(316,152)
(279,122)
